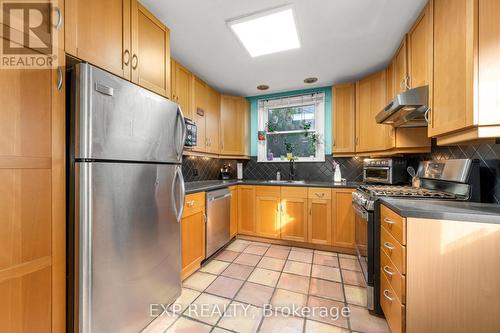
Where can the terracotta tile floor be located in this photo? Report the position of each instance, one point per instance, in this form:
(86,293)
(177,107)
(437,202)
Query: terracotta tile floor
(254,287)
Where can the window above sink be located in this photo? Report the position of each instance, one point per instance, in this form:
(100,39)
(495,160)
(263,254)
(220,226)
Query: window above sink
(292,125)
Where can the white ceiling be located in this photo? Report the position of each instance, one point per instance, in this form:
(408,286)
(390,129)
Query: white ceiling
(341,40)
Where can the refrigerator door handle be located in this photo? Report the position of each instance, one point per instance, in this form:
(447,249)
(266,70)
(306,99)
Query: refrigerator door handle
(182,191)
(182,139)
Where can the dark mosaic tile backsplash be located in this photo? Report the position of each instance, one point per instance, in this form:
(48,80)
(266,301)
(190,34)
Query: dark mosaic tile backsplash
(201,168)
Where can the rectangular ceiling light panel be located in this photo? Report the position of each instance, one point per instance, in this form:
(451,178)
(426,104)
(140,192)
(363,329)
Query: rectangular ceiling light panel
(267,32)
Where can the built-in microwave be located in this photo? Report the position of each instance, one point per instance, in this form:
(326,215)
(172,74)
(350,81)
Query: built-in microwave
(191,133)
(384,171)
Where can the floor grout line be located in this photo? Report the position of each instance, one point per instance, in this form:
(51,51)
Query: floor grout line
(275,287)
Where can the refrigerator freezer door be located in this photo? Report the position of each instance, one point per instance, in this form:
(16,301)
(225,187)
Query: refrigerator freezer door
(129,243)
(114,119)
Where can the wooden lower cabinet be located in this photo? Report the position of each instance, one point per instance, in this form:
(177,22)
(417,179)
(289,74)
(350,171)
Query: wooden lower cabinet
(343,219)
(193,233)
(267,211)
(246,209)
(294,213)
(320,216)
(444,278)
(233,215)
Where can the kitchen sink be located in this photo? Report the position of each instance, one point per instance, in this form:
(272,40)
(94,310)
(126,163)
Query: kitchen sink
(286,181)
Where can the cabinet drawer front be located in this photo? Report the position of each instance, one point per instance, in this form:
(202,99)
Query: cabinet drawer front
(394,223)
(319,193)
(393,249)
(267,191)
(194,202)
(294,192)
(393,276)
(394,311)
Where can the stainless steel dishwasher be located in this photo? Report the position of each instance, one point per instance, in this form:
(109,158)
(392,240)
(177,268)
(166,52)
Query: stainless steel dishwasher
(218,210)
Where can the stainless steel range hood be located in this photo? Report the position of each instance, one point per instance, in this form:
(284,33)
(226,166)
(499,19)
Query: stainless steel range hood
(408,109)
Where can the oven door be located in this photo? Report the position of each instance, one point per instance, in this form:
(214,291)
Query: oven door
(361,230)
(381,175)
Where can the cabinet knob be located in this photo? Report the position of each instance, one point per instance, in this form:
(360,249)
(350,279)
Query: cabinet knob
(136,60)
(126,57)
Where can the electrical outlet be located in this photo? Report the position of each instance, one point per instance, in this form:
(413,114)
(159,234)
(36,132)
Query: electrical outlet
(195,172)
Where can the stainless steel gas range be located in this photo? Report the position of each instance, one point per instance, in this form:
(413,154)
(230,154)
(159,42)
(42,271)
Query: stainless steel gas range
(439,180)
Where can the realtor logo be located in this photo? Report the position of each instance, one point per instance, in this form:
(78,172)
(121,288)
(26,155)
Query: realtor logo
(28,34)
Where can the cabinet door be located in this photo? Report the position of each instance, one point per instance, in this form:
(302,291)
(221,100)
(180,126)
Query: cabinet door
(343,233)
(246,210)
(453,66)
(390,82)
(344,118)
(420,50)
(267,211)
(212,120)
(401,69)
(294,213)
(233,219)
(370,100)
(99,32)
(231,124)
(193,241)
(244,138)
(182,88)
(150,51)
(320,221)
(200,91)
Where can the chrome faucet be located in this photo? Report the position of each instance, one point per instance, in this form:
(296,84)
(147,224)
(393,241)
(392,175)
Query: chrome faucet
(291,172)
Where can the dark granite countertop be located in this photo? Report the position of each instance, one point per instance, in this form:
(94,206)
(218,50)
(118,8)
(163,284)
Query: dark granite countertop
(444,210)
(209,185)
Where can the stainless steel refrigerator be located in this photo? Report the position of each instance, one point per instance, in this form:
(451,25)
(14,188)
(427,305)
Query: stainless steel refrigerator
(126,197)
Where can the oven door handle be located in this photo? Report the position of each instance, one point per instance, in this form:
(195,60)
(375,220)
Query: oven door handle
(360,211)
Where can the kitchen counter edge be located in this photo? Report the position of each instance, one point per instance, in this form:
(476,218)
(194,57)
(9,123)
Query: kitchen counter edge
(203,186)
(444,210)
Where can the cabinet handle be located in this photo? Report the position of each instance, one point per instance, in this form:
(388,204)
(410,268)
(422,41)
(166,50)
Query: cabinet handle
(136,61)
(333,144)
(205,219)
(407,82)
(190,203)
(58,23)
(310,211)
(126,57)
(388,271)
(386,295)
(389,246)
(319,195)
(389,221)
(59,78)
(426,116)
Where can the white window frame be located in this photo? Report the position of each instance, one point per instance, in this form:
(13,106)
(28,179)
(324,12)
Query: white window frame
(318,99)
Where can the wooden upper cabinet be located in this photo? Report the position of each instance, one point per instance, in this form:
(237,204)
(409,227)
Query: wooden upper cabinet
(246,209)
(182,88)
(371,99)
(150,59)
(234,131)
(212,120)
(230,118)
(294,213)
(200,107)
(391,92)
(344,119)
(343,231)
(420,50)
(99,32)
(267,211)
(400,69)
(466,71)
(122,37)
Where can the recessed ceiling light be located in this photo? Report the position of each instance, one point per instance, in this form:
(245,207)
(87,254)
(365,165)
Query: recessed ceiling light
(267,32)
(262,87)
(311,80)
